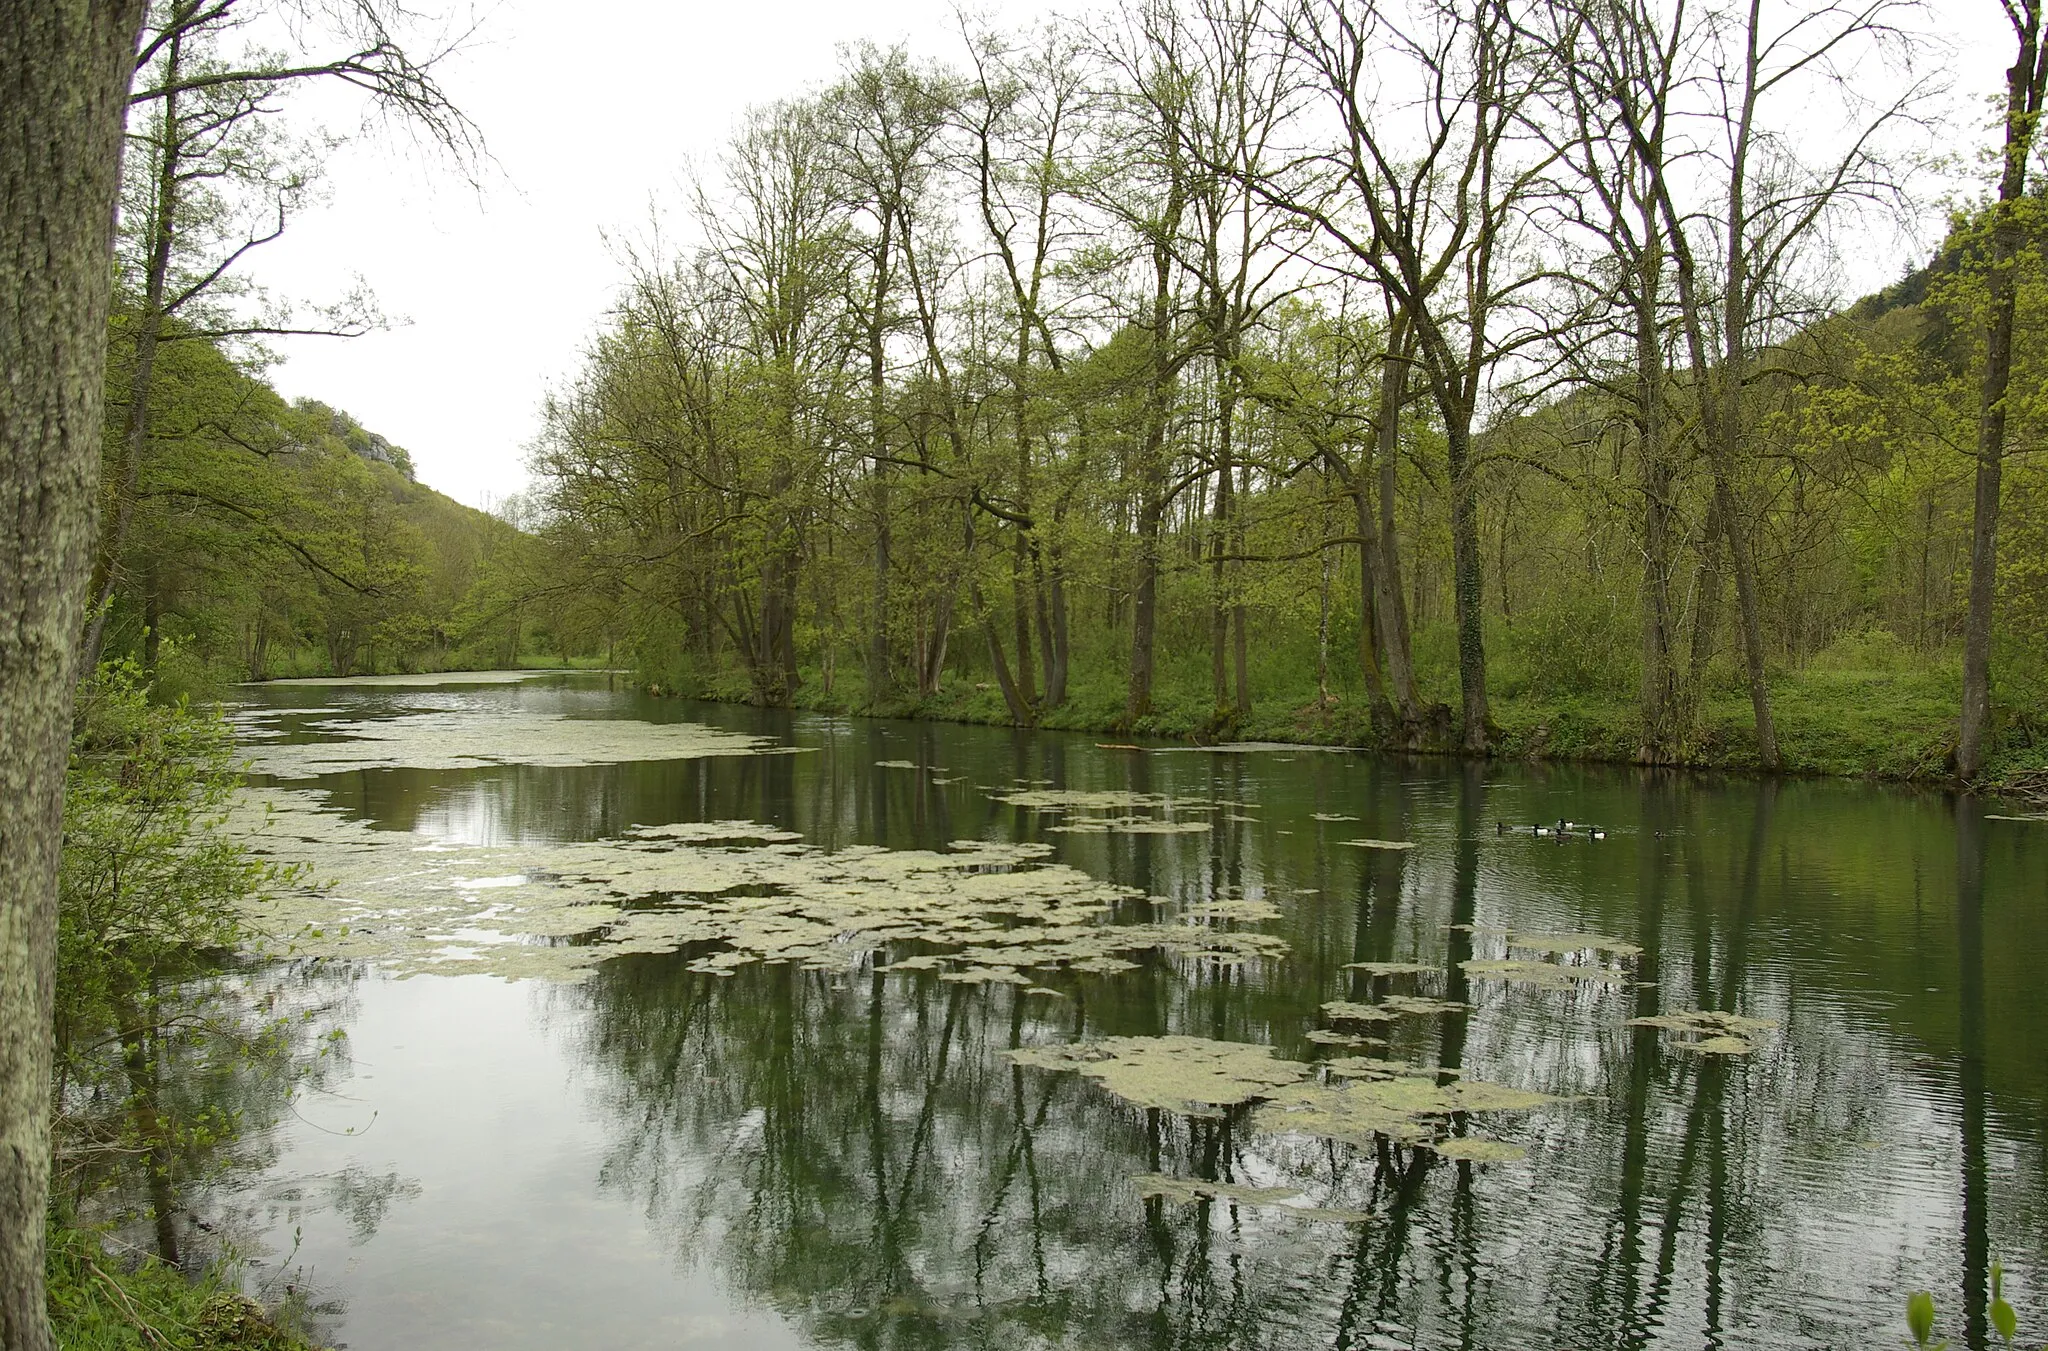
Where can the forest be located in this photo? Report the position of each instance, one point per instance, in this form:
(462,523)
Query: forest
(1455,378)
(242,535)
(1461,377)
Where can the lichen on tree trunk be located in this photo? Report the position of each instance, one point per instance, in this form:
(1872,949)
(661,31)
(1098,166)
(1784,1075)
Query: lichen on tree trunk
(65,67)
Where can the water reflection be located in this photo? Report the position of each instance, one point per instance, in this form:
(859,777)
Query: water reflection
(857,1155)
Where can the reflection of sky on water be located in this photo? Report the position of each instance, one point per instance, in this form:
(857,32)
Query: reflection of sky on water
(836,1161)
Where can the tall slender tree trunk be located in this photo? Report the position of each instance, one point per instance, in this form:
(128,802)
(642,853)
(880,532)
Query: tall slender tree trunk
(1144,594)
(879,682)
(1392,611)
(65,67)
(1151,480)
(1219,583)
(2024,86)
(149,325)
(1726,447)
(1467,582)
(1371,615)
(1659,697)
(1056,604)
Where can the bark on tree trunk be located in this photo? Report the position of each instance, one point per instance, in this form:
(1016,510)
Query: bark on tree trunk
(2024,85)
(880,684)
(64,72)
(1371,613)
(1659,699)
(149,324)
(1144,602)
(1393,613)
(1467,584)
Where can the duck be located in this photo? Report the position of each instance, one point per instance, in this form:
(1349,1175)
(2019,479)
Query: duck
(1541,830)
(1596,834)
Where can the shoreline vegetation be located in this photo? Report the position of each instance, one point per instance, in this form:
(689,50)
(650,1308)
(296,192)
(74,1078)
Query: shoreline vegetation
(1835,721)
(100,1303)
(1847,724)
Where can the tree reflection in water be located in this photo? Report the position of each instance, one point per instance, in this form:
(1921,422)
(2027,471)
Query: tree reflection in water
(857,1154)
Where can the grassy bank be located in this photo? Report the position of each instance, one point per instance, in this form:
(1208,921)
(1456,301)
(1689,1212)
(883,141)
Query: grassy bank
(1835,720)
(99,1303)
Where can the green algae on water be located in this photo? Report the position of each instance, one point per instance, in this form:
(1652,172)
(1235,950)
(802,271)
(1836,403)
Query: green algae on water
(1408,1109)
(1349,1011)
(1549,975)
(455,739)
(1189,1075)
(1708,1031)
(1565,944)
(1475,1149)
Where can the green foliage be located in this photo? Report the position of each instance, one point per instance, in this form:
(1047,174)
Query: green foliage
(164,1057)
(272,538)
(1920,1314)
(98,1304)
(150,883)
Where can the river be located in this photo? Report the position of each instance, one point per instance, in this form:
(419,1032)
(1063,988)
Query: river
(680,1024)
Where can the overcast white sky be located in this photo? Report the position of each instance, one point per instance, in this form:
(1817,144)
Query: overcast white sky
(592,111)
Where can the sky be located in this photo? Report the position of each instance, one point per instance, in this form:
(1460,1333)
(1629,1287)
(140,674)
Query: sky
(591,123)
(589,120)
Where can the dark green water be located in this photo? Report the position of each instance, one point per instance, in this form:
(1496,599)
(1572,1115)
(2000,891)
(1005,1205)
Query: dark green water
(790,1158)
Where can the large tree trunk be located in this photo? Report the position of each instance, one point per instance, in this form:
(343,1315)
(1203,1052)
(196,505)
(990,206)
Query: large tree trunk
(64,72)
(2024,84)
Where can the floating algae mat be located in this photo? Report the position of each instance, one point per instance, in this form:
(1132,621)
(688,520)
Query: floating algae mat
(1131,825)
(1549,975)
(1566,944)
(1124,805)
(1390,1008)
(1081,800)
(417,905)
(422,679)
(1406,1108)
(1708,1032)
(1190,1075)
(466,739)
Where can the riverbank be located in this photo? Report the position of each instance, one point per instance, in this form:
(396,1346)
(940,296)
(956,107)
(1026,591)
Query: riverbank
(1891,725)
(99,1303)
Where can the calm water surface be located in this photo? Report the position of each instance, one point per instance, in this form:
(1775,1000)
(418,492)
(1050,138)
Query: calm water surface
(784,1158)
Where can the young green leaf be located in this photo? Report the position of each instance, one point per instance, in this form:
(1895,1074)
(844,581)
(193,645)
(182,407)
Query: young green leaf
(1920,1316)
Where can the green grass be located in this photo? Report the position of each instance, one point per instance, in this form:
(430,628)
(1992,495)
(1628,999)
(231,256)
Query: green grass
(1891,721)
(98,1304)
